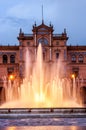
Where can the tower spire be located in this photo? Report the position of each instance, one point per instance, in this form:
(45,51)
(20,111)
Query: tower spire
(42,15)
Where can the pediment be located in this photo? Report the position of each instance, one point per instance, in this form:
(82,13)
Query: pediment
(42,28)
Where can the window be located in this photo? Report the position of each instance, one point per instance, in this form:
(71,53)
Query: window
(73,59)
(28,43)
(43,41)
(43,56)
(80,59)
(57,55)
(12,59)
(10,70)
(5,59)
(57,43)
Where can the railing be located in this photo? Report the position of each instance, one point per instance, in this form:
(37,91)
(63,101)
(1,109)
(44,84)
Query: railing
(43,110)
(42,113)
(30,35)
(57,35)
(54,35)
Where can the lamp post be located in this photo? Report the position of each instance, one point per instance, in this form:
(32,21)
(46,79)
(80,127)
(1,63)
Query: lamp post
(73,76)
(10,89)
(11,78)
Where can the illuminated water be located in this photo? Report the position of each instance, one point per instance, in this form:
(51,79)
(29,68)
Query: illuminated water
(45,85)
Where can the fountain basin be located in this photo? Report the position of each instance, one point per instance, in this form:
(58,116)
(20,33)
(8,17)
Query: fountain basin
(42,113)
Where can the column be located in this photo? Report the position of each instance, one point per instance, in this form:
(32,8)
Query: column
(50,58)
(35,46)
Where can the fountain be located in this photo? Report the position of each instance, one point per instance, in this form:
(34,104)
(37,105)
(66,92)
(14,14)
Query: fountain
(44,86)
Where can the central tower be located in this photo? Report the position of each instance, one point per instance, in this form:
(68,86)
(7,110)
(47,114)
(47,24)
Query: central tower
(53,45)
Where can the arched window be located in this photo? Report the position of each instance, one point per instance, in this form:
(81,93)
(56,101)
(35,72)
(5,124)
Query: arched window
(5,59)
(80,59)
(73,59)
(43,41)
(57,55)
(12,59)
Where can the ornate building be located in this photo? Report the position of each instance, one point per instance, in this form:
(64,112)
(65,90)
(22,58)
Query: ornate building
(12,59)
(53,45)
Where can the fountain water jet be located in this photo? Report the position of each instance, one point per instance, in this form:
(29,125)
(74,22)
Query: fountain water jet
(43,86)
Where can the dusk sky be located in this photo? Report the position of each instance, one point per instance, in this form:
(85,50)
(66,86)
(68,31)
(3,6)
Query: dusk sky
(69,14)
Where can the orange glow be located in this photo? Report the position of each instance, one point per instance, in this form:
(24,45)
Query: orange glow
(11,128)
(11,77)
(43,101)
(73,75)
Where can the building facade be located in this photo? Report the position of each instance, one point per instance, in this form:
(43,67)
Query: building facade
(54,46)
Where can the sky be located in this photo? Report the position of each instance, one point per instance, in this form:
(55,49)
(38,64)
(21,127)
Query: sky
(69,14)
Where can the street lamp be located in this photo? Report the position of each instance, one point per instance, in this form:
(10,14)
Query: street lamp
(73,76)
(11,77)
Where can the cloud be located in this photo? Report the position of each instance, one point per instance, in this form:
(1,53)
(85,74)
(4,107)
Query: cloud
(33,11)
(62,14)
(19,11)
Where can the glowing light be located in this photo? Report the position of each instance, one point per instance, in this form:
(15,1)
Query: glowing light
(11,128)
(39,98)
(73,76)
(11,77)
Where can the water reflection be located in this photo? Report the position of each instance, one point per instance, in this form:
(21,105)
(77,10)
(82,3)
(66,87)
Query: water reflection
(45,128)
(11,128)
(37,122)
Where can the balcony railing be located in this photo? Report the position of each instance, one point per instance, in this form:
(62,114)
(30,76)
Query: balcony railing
(57,35)
(28,35)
